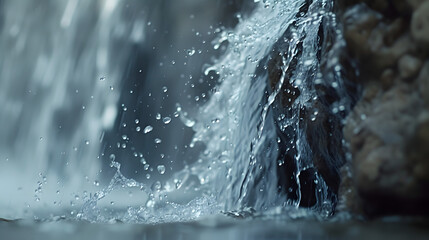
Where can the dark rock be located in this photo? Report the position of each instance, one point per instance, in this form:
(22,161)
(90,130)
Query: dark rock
(379,132)
(388,130)
(420,25)
(409,66)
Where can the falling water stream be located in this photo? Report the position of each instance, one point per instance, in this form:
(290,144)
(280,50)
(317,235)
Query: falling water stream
(251,123)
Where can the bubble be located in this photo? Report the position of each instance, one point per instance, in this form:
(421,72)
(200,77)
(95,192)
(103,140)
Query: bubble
(161,169)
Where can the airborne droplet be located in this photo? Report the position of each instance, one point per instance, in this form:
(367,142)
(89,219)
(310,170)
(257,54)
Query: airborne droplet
(166,120)
(161,169)
(148,129)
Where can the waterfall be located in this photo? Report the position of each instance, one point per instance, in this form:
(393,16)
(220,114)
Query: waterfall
(59,87)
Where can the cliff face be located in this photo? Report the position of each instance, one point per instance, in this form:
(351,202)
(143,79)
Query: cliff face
(388,130)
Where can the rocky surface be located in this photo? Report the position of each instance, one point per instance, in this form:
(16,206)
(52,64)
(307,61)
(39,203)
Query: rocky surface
(388,130)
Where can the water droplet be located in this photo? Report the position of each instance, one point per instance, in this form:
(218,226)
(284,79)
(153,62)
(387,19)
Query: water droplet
(148,129)
(158,116)
(157,140)
(164,89)
(191,52)
(96,183)
(166,120)
(138,129)
(87,142)
(161,169)
(102,78)
(146,167)
(137,121)
(156,186)
(111,88)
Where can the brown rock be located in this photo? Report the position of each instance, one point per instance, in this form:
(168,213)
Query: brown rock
(388,130)
(423,82)
(418,149)
(415,3)
(420,25)
(387,78)
(409,66)
(385,172)
(373,42)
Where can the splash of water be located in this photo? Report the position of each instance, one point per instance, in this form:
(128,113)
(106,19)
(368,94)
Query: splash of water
(240,124)
(239,164)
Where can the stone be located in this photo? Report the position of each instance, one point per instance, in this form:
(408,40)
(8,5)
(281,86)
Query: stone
(409,66)
(418,149)
(423,82)
(387,78)
(387,132)
(415,3)
(386,177)
(420,25)
(373,42)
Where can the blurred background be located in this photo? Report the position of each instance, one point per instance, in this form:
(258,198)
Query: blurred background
(86,82)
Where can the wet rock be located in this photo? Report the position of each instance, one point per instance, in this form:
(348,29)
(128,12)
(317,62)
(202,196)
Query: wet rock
(420,24)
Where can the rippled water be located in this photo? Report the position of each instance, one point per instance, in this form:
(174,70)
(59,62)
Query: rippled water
(255,148)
